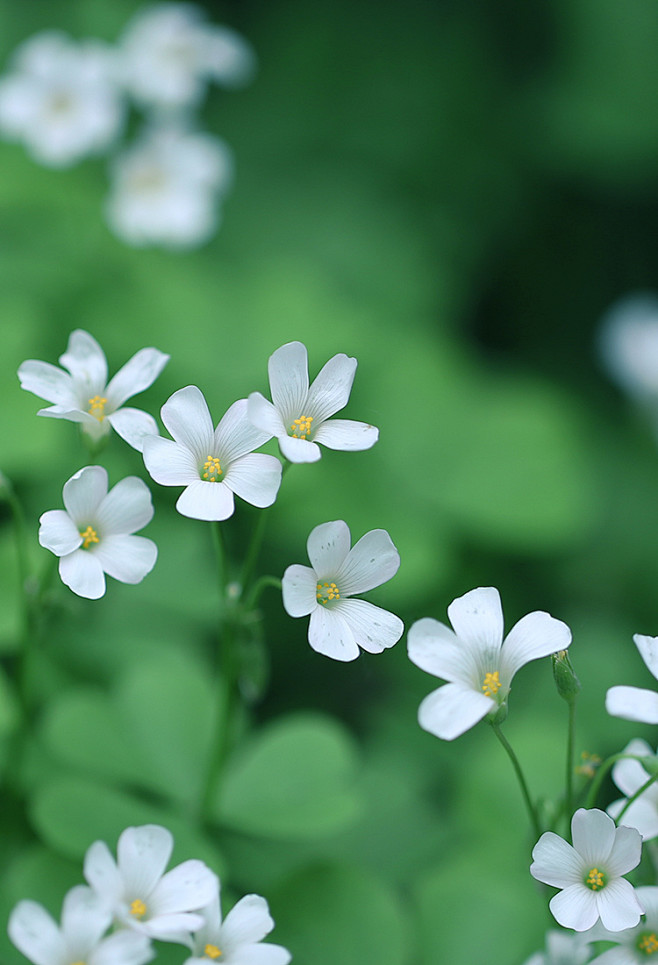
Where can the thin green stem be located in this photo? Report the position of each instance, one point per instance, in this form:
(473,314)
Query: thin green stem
(635,796)
(254,549)
(532,813)
(261,584)
(219,547)
(571,730)
(601,773)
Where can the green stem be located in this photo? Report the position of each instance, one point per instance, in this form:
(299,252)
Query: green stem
(635,796)
(571,729)
(254,549)
(601,773)
(532,813)
(261,584)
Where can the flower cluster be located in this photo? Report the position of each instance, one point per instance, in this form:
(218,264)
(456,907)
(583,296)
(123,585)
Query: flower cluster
(131,900)
(67,100)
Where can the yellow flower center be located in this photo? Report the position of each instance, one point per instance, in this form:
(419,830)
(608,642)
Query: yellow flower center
(88,537)
(595,879)
(491,684)
(97,407)
(648,943)
(211,469)
(138,908)
(301,428)
(78,963)
(211,951)
(325,592)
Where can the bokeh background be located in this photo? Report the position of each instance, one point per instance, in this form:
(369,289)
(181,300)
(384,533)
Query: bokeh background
(454,193)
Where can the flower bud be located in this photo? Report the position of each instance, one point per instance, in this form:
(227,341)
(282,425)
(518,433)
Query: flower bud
(566,681)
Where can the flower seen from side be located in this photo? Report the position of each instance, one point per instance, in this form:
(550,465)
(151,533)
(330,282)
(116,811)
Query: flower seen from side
(589,872)
(629,776)
(299,416)
(213,465)
(635,944)
(85,919)
(237,940)
(138,892)
(636,703)
(476,662)
(339,624)
(93,535)
(82,393)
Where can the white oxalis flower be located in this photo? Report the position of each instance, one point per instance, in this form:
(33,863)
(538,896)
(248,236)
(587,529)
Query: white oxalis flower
(61,98)
(94,536)
(212,464)
(633,944)
(79,938)
(82,394)
(237,940)
(340,625)
(476,662)
(562,948)
(299,416)
(138,893)
(629,776)
(635,703)
(589,873)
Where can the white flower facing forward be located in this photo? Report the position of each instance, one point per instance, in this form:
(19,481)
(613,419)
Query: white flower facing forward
(476,662)
(340,625)
(79,939)
(633,944)
(629,776)
(635,703)
(82,394)
(298,415)
(237,940)
(169,52)
(166,188)
(61,99)
(138,893)
(212,464)
(94,536)
(589,873)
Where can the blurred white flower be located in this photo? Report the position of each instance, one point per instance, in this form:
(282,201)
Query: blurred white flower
(85,918)
(633,944)
(562,948)
(138,893)
(629,776)
(94,536)
(298,415)
(340,625)
(238,939)
(83,394)
(635,703)
(212,464)
(165,189)
(628,342)
(61,98)
(169,52)
(476,662)
(589,873)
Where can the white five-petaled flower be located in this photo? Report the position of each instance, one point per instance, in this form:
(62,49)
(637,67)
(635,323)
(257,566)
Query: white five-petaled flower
(61,98)
(629,776)
(589,872)
(137,891)
(94,536)
(635,703)
(82,394)
(237,940)
(476,662)
(212,464)
(633,944)
(79,938)
(299,416)
(340,625)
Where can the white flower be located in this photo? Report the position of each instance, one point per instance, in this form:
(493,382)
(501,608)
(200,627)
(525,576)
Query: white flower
(298,415)
(169,52)
(83,394)
(589,872)
(237,939)
(340,625)
(94,535)
(61,99)
(629,344)
(634,944)
(474,659)
(85,918)
(166,188)
(629,776)
(562,948)
(137,891)
(212,464)
(635,703)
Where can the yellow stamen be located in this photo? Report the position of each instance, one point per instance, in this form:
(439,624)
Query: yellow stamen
(138,908)
(648,943)
(325,592)
(595,879)
(211,951)
(491,684)
(88,537)
(590,763)
(301,428)
(97,407)
(212,469)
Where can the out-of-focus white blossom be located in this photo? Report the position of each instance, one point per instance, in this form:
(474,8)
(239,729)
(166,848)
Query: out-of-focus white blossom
(628,343)
(238,939)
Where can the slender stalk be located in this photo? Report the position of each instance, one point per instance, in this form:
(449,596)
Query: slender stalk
(532,812)
(261,584)
(568,794)
(254,549)
(601,773)
(635,796)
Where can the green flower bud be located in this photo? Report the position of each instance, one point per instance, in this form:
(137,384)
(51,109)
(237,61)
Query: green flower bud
(566,681)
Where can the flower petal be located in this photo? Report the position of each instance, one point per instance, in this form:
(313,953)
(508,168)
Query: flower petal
(88,421)
(126,558)
(619,907)
(265,954)
(133,425)
(435,648)
(329,634)
(288,374)
(629,775)
(641,814)
(626,851)
(331,389)
(187,417)
(206,500)
(174,927)
(35,934)
(593,835)
(85,360)
(299,589)
(249,921)
(101,872)
(255,477)
(83,493)
(555,861)
(328,546)
(298,450)
(85,916)
(49,383)
(264,415)
(142,856)
(536,635)
(575,907)
(632,703)
(169,463)
(648,647)
(127,947)
(374,629)
(452,710)
(83,574)
(477,617)
(137,374)
(58,533)
(126,508)
(187,887)
(372,561)
(346,435)
(235,435)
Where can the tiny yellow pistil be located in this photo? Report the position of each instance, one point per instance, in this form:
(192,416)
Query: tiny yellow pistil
(88,537)
(301,428)
(648,943)
(97,407)
(491,684)
(325,592)
(211,951)
(595,879)
(212,469)
(138,908)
